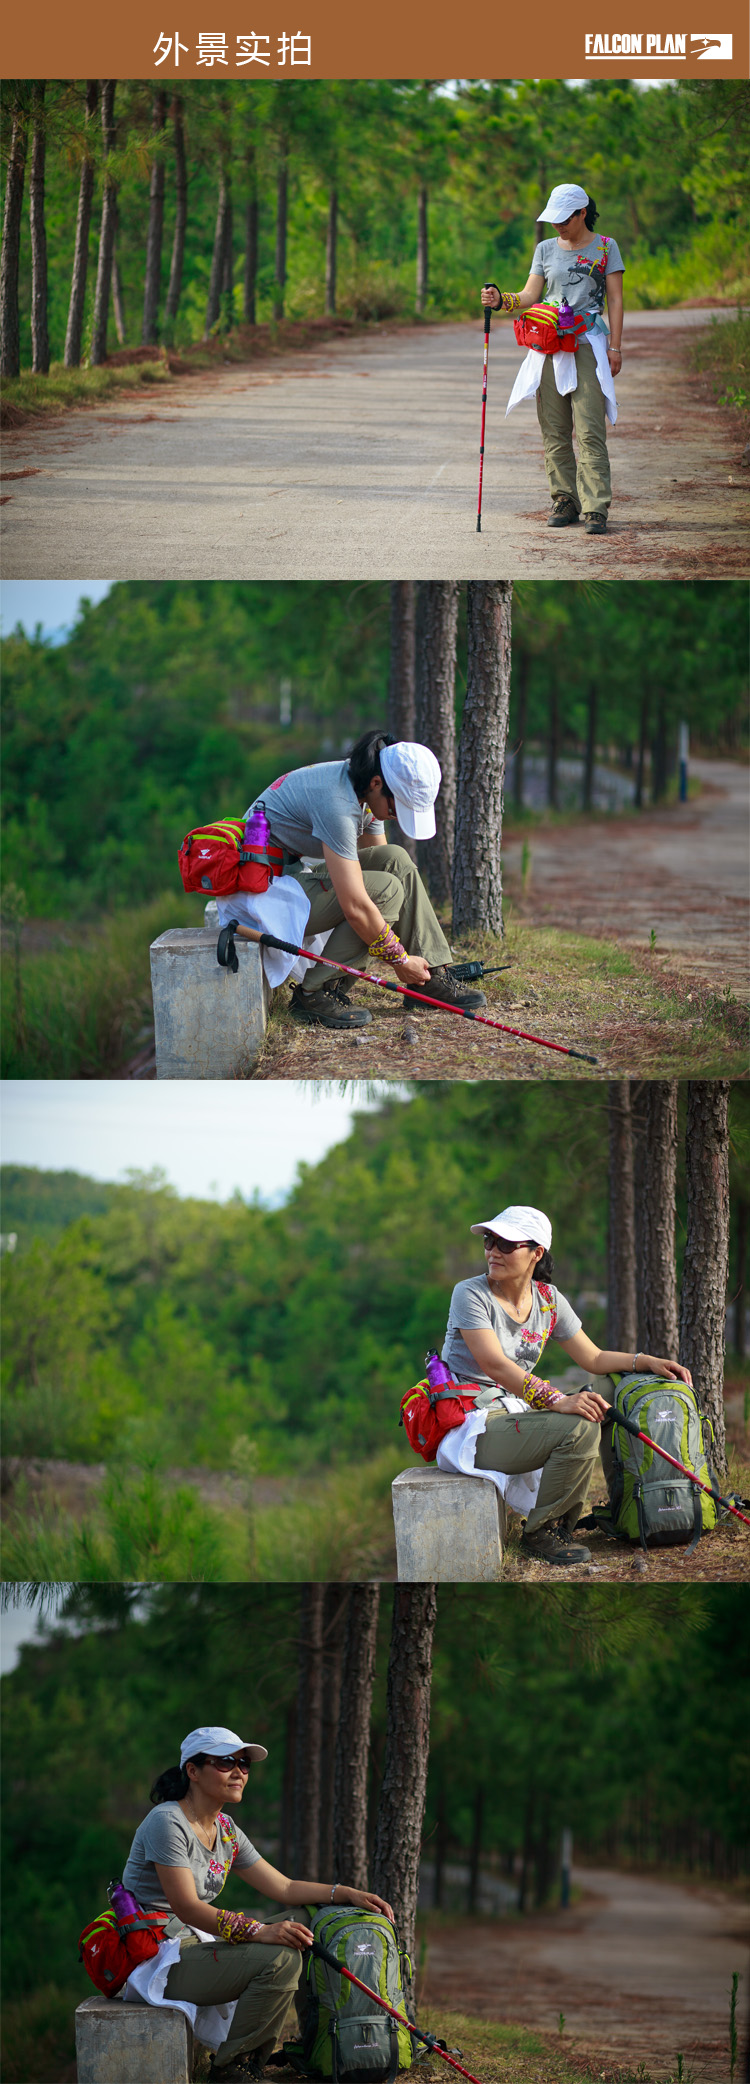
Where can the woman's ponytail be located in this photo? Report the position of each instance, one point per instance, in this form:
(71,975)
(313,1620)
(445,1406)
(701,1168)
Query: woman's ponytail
(544,1268)
(591,214)
(171,1786)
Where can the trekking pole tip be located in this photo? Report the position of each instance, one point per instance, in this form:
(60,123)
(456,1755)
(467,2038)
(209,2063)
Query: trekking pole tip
(582,1057)
(479,524)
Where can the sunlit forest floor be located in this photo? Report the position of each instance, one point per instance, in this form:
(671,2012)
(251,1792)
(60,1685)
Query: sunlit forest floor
(630,1010)
(66,1521)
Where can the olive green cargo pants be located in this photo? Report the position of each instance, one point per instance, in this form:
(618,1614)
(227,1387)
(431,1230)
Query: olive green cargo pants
(565,1448)
(590,486)
(263,1979)
(396,887)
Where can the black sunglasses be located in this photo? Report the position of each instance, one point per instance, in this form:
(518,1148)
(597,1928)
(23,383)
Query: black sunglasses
(504,1244)
(227,1765)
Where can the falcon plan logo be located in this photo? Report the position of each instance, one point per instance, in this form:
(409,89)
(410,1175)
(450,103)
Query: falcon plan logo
(638,44)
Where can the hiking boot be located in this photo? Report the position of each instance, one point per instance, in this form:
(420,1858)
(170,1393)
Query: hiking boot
(246,2068)
(326,1010)
(547,1546)
(595,524)
(564,512)
(441,985)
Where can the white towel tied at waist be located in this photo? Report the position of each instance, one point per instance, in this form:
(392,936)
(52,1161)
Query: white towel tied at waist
(566,374)
(283,909)
(458,1448)
(210,2022)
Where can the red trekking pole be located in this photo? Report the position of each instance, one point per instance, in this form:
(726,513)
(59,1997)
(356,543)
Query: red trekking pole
(226,956)
(630,1426)
(487,324)
(428,2038)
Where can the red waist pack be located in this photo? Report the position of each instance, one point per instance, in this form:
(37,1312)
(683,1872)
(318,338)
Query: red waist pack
(428,1413)
(212,858)
(538,327)
(110,1952)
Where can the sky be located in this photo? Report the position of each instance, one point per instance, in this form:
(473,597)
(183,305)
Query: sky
(209,1137)
(52,602)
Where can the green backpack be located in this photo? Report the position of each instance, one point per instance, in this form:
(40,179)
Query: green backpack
(648,1501)
(343,2036)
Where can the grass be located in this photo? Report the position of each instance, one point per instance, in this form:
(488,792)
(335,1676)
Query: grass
(502,2054)
(39,2032)
(334,1525)
(723,353)
(86,1000)
(622,1005)
(29,396)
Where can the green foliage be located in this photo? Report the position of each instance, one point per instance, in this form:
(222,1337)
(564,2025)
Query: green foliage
(164,1330)
(85,999)
(725,353)
(669,169)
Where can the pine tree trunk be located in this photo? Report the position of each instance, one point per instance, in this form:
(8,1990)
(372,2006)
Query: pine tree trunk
(10,327)
(250,280)
(218,262)
(435,656)
(398,1836)
(106,234)
(152,283)
(590,761)
(353,1736)
(703,1301)
(657,1332)
(227,284)
(659,757)
(118,300)
(309,1735)
(423,272)
(622,1321)
(740,1298)
(401,681)
(180,222)
(74,330)
(334,1622)
(331,252)
(518,758)
(477,867)
(282,203)
(476,1851)
(39,322)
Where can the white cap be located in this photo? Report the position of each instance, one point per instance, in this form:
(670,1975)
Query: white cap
(517,1223)
(412,777)
(218,1742)
(563,201)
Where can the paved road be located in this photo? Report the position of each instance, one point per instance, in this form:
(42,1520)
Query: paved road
(641,1969)
(684,873)
(359,459)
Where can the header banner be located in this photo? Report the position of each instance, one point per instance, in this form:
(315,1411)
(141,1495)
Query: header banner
(326,39)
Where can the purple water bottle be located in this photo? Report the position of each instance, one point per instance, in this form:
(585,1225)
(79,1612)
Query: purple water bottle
(123,1904)
(257,833)
(566,317)
(437,1372)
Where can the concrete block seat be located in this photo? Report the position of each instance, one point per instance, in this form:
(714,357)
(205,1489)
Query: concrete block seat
(118,2043)
(208,1022)
(449,1529)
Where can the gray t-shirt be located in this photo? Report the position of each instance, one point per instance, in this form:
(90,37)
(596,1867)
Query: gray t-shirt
(165,1839)
(474,1307)
(581,276)
(317,806)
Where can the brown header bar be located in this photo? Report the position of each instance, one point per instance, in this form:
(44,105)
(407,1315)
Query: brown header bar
(331,39)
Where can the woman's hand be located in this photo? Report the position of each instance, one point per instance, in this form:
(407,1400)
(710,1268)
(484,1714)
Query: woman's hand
(363,1899)
(586,1404)
(492,296)
(288,1934)
(413,971)
(671,1368)
(614,358)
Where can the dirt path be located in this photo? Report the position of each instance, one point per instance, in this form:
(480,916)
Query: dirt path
(640,1969)
(683,874)
(359,459)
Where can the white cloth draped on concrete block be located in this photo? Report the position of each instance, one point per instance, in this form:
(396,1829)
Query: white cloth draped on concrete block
(210,2022)
(566,374)
(456,1455)
(283,909)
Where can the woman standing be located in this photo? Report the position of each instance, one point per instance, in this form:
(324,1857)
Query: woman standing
(498,1328)
(573,390)
(179,1861)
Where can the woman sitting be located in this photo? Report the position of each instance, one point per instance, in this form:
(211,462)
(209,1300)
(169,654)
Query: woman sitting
(498,1327)
(179,1861)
